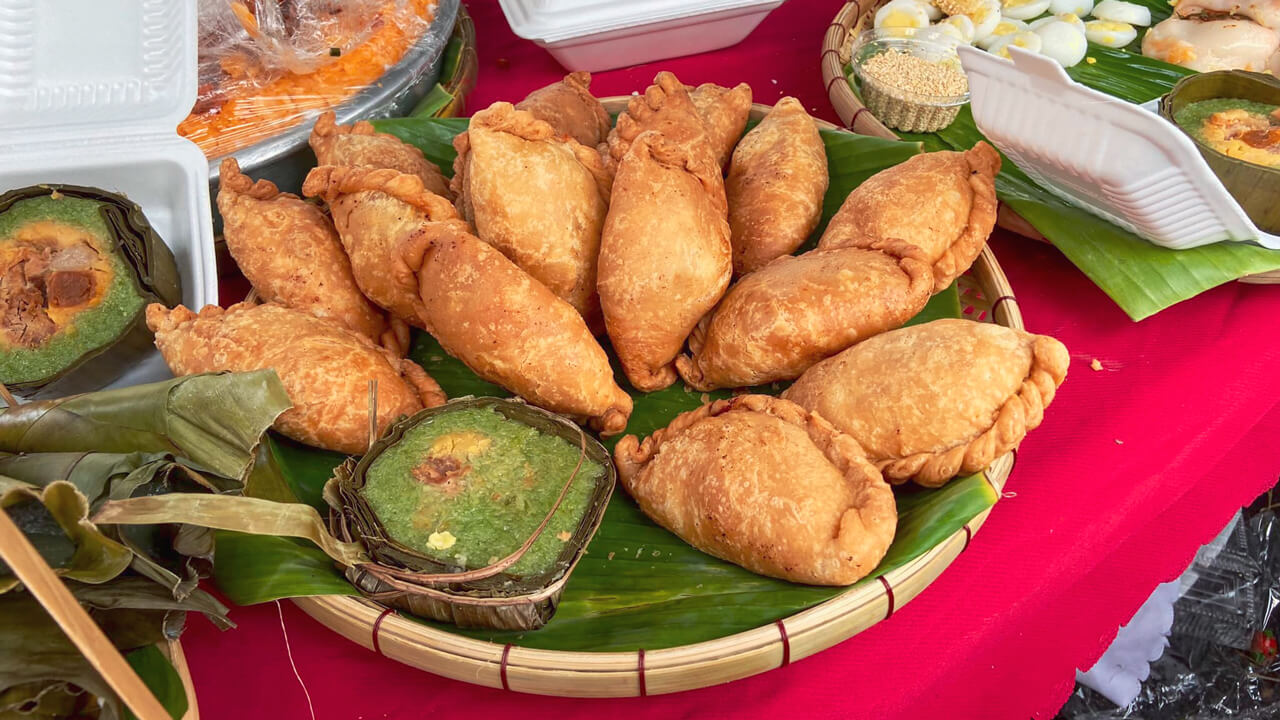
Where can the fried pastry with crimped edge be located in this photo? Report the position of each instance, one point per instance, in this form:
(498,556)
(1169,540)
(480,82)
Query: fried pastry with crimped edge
(511,330)
(665,258)
(724,112)
(776,183)
(376,213)
(944,202)
(538,197)
(324,367)
(666,108)
(933,401)
(360,145)
(776,322)
(570,108)
(291,254)
(765,484)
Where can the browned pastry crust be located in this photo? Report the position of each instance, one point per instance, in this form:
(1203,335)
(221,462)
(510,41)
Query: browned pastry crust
(376,213)
(324,367)
(290,253)
(765,484)
(667,108)
(510,329)
(944,201)
(538,197)
(665,258)
(776,322)
(934,401)
(775,187)
(570,108)
(724,112)
(359,145)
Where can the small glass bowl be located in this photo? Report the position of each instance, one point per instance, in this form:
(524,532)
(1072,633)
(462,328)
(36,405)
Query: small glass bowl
(894,106)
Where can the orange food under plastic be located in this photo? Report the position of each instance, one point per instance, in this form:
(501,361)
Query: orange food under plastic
(252,113)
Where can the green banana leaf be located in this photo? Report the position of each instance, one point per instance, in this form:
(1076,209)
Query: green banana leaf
(638,585)
(161,679)
(1140,277)
(214,420)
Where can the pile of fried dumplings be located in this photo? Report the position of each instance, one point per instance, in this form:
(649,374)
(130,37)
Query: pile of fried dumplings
(671,232)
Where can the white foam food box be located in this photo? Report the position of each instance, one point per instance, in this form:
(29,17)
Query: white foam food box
(91,93)
(604,34)
(1112,158)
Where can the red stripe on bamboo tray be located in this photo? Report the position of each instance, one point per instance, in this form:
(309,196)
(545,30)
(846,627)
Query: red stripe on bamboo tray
(786,645)
(854,119)
(996,305)
(377,624)
(888,590)
(502,666)
(968,535)
(644,690)
(828,51)
(831,82)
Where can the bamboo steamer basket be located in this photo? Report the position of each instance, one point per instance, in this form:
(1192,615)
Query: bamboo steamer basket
(837,44)
(985,296)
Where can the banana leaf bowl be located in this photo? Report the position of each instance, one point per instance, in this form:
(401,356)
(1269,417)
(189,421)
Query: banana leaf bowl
(403,577)
(1255,187)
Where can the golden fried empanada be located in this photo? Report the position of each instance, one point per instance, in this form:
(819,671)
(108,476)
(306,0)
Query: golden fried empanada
(511,330)
(665,259)
(775,187)
(359,145)
(776,322)
(570,108)
(724,112)
(667,108)
(376,212)
(933,401)
(324,367)
(944,202)
(765,484)
(290,253)
(538,197)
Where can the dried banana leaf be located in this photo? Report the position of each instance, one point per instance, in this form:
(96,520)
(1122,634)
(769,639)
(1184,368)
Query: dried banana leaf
(50,673)
(56,520)
(216,420)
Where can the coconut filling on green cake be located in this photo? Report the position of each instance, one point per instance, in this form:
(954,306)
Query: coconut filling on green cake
(64,289)
(468,488)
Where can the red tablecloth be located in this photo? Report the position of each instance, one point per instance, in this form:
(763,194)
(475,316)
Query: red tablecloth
(1135,466)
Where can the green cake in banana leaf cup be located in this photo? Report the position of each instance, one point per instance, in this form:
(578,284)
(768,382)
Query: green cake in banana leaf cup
(474,512)
(78,266)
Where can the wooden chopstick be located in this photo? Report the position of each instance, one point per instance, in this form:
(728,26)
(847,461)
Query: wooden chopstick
(39,579)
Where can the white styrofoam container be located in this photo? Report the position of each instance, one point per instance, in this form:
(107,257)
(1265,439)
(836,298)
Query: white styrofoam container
(604,34)
(1112,158)
(91,93)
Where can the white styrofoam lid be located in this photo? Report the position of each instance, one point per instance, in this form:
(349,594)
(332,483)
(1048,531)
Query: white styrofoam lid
(553,20)
(95,67)
(1102,154)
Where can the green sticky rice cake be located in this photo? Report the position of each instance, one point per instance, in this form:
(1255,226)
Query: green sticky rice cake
(467,488)
(77,268)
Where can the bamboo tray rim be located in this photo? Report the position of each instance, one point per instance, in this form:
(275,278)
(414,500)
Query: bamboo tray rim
(686,667)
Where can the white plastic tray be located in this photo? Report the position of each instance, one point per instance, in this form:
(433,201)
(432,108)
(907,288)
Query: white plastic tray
(604,34)
(91,93)
(1109,157)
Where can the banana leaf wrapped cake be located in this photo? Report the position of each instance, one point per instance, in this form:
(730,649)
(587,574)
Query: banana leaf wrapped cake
(78,266)
(474,512)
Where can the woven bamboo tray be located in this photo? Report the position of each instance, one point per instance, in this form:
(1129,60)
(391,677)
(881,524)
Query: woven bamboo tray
(852,19)
(985,295)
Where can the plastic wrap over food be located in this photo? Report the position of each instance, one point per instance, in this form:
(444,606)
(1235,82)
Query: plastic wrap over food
(268,65)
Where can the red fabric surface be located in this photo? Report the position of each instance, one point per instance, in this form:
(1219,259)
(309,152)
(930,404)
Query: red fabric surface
(1135,467)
